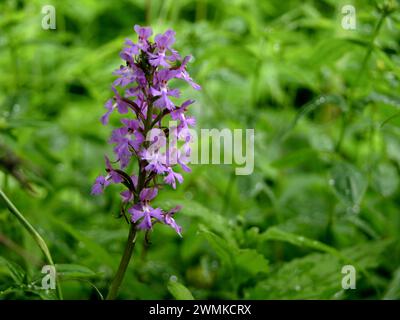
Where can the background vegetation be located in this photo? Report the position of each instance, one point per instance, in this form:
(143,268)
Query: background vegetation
(325,106)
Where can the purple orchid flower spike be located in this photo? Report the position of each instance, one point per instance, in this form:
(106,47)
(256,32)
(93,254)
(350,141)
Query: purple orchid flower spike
(144,85)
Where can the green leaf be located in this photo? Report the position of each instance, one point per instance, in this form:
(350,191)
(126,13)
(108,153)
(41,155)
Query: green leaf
(385,179)
(295,158)
(330,50)
(32,231)
(393,290)
(300,241)
(362,225)
(313,105)
(316,276)
(23,289)
(26,123)
(74,271)
(250,261)
(348,183)
(179,291)
(222,248)
(14,270)
(384,99)
(246,262)
(94,248)
(196,210)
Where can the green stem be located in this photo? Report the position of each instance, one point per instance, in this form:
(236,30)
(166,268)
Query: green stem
(148,12)
(130,244)
(345,118)
(370,47)
(123,265)
(201,10)
(227,195)
(35,235)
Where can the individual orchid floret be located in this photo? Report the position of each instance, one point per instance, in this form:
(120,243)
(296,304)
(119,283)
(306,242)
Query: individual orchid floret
(144,33)
(156,161)
(169,220)
(171,178)
(163,44)
(99,185)
(110,106)
(126,76)
(163,91)
(184,122)
(126,140)
(143,211)
(102,182)
(183,74)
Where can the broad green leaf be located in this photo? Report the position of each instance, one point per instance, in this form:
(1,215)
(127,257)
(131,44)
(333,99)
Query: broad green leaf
(245,262)
(317,276)
(314,276)
(297,240)
(250,261)
(330,50)
(222,248)
(349,183)
(385,179)
(179,291)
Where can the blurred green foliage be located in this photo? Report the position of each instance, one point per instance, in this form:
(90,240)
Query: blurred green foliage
(324,103)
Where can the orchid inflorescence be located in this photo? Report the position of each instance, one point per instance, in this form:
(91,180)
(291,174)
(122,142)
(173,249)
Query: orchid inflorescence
(147,96)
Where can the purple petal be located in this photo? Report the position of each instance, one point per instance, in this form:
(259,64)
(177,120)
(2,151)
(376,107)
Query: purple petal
(137,212)
(148,194)
(127,196)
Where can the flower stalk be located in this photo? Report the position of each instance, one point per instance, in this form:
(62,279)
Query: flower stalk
(123,265)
